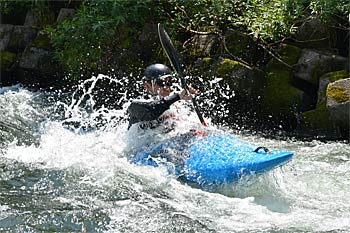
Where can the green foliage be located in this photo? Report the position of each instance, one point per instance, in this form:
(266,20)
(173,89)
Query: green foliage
(262,18)
(326,8)
(43,12)
(16,11)
(11,6)
(266,19)
(82,41)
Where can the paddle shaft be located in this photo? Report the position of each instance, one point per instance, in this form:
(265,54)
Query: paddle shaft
(171,53)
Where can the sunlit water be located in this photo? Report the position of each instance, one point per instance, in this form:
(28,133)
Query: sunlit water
(54,177)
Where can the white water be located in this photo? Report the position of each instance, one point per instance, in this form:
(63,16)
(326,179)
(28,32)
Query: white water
(81,181)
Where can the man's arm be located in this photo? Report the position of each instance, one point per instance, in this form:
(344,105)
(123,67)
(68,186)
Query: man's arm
(147,111)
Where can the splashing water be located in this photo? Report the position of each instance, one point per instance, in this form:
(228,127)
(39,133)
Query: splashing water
(64,167)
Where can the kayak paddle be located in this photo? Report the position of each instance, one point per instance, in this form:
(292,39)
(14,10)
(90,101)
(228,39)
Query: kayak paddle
(171,53)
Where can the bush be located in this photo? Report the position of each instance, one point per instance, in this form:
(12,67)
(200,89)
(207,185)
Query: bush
(81,42)
(267,19)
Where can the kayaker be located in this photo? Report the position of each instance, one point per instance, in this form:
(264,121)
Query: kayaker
(151,112)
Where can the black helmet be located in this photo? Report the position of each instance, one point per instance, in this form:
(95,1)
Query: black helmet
(155,71)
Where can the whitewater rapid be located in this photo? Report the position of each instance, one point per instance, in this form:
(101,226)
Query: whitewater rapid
(54,177)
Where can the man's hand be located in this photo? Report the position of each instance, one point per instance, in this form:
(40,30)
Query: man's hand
(188,96)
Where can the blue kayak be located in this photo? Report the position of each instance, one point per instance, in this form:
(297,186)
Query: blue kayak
(212,159)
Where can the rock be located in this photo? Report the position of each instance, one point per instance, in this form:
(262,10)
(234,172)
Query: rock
(204,45)
(5,34)
(338,102)
(20,38)
(243,80)
(32,57)
(37,53)
(239,44)
(326,79)
(318,123)
(289,56)
(65,13)
(279,97)
(36,66)
(30,20)
(6,59)
(313,64)
(313,33)
(203,67)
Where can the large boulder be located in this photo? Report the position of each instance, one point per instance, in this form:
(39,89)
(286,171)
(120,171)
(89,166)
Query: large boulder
(33,57)
(20,38)
(288,56)
(313,64)
(7,61)
(37,53)
(30,20)
(36,66)
(204,45)
(318,123)
(280,100)
(338,102)
(327,79)
(232,86)
(5,34)
(243,80)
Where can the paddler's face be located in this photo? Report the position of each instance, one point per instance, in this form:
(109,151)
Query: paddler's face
(160,86)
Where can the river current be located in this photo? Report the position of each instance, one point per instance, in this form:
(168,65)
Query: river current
(62,171)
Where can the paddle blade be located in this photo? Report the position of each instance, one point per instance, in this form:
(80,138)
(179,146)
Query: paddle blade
(170,50)
(171,53)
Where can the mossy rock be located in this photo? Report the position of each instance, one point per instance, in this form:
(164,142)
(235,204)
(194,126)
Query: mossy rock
(7,59)
(42,40)
(338,93)
(338,103)
(278,94)
(207,61)
(203,45)
(329,78)
(318,117)
(318,122)
(21,36)
(227,66)
(288,54)
(243,80)
(203,67)
(282,98)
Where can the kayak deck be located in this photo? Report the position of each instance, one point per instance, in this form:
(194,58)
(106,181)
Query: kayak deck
(214,159)
(217,159)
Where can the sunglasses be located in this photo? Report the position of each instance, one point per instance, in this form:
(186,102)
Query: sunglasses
(162,82)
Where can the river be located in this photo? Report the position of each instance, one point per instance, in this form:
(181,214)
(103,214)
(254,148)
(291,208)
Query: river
(56,177)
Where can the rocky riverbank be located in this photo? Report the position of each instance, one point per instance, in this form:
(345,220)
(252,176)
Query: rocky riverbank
(300,85)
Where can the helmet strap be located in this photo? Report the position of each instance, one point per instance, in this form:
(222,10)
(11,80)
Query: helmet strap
(153,82)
